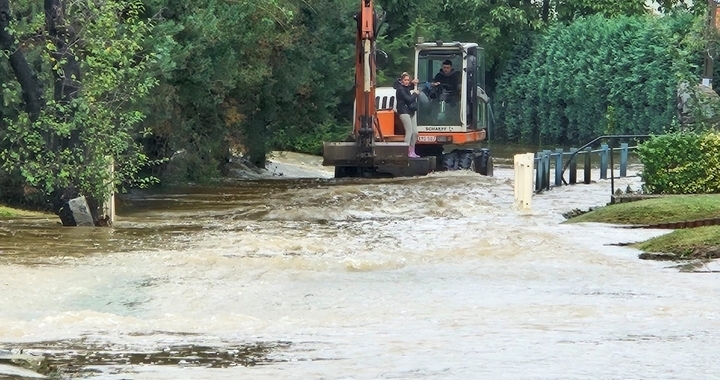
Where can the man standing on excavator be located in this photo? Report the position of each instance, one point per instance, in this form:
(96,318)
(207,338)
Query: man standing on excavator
(450,79)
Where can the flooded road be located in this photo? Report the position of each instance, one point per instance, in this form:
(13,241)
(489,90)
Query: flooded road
(437,277)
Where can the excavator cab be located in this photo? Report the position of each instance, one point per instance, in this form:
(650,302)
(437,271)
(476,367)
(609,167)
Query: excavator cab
(453,105)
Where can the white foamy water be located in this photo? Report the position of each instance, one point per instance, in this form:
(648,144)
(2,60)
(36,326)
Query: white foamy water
(437,277)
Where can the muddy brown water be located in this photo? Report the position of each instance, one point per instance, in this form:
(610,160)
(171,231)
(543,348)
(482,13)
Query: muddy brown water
(437,277)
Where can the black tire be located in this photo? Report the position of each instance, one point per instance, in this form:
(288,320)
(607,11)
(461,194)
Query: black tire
(346,171)
(465,160)
(483,163)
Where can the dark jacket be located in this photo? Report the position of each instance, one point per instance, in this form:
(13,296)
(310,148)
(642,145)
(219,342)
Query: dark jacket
(452,79)
(405,99)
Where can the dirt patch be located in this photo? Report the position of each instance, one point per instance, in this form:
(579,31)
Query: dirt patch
(577,212)
(696,253)
(77,358)
(695,260)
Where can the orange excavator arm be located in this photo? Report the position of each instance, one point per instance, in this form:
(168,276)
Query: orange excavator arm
(366,112)
(364,154)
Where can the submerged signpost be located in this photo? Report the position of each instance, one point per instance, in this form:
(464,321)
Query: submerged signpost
(524,170)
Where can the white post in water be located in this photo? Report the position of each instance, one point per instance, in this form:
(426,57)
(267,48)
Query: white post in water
(108,208)
(524,168)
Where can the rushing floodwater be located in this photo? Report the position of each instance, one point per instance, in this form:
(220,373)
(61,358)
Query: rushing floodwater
(436,277)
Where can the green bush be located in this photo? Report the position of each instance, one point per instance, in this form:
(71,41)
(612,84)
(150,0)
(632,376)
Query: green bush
(309,139)
(682,163)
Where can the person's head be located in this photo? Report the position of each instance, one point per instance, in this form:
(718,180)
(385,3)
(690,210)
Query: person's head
(447,66)
(405,79)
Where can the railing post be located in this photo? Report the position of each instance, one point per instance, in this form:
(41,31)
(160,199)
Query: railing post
(623,159)
(546,170)
(573,167)
(603,161)
(538,172)
(586,149)
(558,166)
(612,167)
(108,207)
(586,170)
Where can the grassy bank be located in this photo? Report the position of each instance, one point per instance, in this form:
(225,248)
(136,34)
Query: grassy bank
(10,213)
(690,243)
(676,208)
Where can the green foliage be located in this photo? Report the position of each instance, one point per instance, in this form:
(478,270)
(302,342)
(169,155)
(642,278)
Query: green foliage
(498,25)
(250,76)
(494,24)
(217,58)
(568,11)
(73,144)
(301,140)
(597,74)
(698,8)
(310,77)
(682,163)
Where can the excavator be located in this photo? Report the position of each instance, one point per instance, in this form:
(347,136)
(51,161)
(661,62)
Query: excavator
(452,122)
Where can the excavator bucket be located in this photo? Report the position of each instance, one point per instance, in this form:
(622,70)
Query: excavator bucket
(347,154)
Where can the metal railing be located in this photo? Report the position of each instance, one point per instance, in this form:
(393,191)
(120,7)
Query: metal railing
(561,161)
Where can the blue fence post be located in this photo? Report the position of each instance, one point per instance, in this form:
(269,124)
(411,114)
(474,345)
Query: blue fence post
(538,172)
(623,159)
(587,169)
(612,166)
(603,161)
(573,167)
(558,166)
(546,167)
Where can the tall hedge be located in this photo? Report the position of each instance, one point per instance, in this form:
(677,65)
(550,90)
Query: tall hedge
(597,76)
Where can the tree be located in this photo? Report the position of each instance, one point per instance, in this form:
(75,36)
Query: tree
(31,91)
(221,52)
(568,10)
(249,76)
(94,62)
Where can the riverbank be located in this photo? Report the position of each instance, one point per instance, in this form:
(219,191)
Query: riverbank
(11,213)
(700,243)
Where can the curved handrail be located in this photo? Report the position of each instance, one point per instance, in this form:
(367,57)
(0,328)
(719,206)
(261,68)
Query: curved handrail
(565,166)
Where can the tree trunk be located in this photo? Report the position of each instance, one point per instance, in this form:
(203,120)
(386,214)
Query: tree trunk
(256,136)
(63,36)
(31,89)
(545,11)
(67,85)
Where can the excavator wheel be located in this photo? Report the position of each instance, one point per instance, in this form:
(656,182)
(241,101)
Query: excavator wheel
(483,163)
(458,159)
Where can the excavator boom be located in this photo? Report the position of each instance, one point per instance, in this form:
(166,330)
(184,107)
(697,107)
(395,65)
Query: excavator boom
(365,81)
(367,150)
